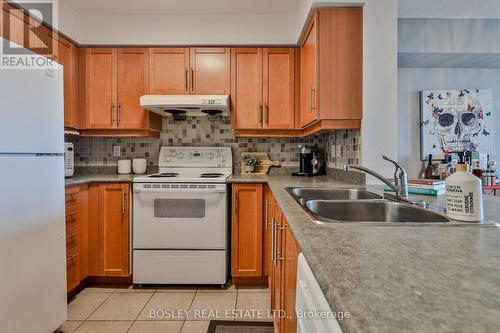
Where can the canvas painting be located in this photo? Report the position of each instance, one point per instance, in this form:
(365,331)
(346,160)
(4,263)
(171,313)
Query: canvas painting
(455,121)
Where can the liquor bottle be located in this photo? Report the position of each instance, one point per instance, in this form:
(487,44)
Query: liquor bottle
(429,171)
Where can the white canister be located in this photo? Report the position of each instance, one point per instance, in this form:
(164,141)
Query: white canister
(139,165)
(124,167)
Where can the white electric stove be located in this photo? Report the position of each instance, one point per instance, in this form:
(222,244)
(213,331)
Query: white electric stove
(180,218)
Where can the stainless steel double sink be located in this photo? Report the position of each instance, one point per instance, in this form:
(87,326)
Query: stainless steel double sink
(345,205)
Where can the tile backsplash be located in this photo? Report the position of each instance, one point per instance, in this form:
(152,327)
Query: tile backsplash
(340,146)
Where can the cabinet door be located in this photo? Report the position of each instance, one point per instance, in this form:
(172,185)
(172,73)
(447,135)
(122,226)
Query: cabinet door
(210,71)
(64,53)
(308,75)
(279,89)
(101,88)
(169,70)
(113,230)
(291,255)
(247,230)
(246,91)
(133,82)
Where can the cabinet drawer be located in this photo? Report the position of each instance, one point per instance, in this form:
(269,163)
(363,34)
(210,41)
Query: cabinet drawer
(72,195)
(72,216)
(72,236)
(73,268)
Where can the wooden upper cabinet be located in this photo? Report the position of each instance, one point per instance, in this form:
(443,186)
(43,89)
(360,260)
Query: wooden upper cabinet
(246,90)
(210,71)
(279,88)
(133,82)
(247,230)
(308,74)
(65,53)
(331,60)
(114,230)
(101,81)
(169,71)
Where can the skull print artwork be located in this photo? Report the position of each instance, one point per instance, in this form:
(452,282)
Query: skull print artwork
(457,121)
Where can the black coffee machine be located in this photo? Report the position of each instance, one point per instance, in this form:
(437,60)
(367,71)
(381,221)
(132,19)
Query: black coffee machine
(310,162)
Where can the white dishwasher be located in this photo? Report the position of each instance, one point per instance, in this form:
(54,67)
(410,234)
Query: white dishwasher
(310,302)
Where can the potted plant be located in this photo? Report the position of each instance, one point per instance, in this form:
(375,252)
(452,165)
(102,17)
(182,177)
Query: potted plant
(250,163)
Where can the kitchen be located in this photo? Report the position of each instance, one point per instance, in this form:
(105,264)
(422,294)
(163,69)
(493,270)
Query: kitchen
(180,127)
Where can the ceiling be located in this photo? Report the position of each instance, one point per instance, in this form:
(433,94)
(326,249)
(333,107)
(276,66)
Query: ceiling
(185,7)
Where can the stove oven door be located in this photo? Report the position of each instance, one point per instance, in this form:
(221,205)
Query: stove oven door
(179,216)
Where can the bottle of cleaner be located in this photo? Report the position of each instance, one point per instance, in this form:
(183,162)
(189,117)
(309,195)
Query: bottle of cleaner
(464,197)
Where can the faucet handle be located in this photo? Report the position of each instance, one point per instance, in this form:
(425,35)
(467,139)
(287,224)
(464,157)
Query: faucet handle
(396,164)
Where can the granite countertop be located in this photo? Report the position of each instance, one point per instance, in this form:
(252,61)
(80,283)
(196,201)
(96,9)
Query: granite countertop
(98,178)
(401,278)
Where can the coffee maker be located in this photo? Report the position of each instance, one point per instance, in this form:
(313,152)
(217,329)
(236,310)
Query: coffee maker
(310,162)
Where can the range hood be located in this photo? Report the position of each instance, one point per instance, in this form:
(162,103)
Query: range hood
(180,106)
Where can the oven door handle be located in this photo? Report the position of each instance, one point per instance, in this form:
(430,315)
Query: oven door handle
(177,190)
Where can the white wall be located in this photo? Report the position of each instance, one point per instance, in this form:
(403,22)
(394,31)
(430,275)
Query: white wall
(379,133)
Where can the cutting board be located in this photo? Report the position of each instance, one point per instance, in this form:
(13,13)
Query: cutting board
(265,163)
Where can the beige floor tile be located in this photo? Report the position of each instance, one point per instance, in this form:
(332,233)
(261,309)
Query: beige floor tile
(69,326)
(177,289)
(212,306)
(156,327)
(83,305)
(104,327)
(195,327)
(135,289)
(121,306)
(167,306)
(253,289)
(97,290)
(230,288)
(253,306)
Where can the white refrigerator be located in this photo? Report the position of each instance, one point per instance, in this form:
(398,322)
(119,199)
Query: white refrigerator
(32,218)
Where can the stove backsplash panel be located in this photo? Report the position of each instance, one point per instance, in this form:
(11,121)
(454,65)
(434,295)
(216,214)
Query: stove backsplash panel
(340,146)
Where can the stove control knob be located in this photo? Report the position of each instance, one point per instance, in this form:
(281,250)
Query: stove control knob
(210,155)
(180,155)
(218,154)
(173,153)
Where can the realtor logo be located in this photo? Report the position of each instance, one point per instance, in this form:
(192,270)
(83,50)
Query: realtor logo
(26,44)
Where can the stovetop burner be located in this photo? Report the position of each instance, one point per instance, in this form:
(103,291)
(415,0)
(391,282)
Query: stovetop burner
(211,175)
(165,175)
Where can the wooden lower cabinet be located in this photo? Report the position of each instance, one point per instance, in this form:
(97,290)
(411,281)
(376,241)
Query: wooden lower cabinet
(263,246)
(97,231)
(113,230)
(246,256)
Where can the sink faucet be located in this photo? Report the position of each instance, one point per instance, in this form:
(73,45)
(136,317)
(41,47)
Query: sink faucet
(400,185)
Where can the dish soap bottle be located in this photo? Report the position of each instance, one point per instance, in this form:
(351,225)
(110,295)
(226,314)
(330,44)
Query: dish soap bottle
(464,197)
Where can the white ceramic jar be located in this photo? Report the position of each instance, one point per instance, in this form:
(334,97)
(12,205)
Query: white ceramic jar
(124,167)
(139,165)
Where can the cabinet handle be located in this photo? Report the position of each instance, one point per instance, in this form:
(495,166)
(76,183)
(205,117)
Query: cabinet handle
(236,199)
(266,211)
(267,114)
(187,79)
(261,111)
(192,80)
(112,114)
(72,257)
(273,241)
(118,114)
(72,235)
(123,201)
